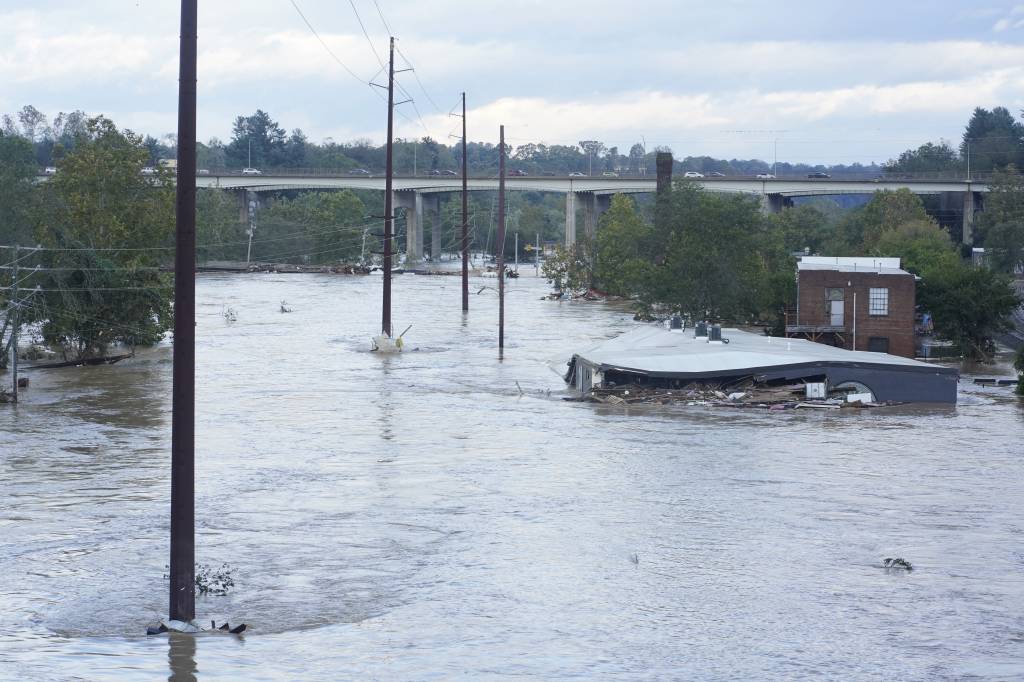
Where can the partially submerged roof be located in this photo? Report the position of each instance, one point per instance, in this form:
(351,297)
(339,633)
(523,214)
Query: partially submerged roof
(882,266)
(655,352)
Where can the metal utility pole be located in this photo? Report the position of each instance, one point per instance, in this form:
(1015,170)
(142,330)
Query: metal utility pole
(537,255)
(465,214)
(183,547)
(389,217)
(517,252)
(501,240)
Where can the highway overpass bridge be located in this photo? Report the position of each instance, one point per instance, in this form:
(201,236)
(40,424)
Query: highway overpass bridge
(420,195)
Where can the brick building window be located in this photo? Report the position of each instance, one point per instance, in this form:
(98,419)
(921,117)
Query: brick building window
(878,301)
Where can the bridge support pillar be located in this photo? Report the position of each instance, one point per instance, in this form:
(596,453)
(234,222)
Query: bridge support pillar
(570,219)
(603,203)
(773,203)
(243,205)
(432,206)
(412,202)
(967,236)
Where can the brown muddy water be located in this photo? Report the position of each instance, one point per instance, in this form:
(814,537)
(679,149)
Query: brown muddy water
(416,517)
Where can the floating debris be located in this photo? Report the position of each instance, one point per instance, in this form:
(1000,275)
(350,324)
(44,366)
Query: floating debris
(284,307)
(229,314)
(897,563)
(191,627)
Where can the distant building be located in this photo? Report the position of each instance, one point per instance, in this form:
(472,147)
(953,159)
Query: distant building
(862,304)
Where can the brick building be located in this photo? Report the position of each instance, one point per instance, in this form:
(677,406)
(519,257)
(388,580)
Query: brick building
(862,304)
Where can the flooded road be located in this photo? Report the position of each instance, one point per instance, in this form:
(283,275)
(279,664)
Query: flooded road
(416,516)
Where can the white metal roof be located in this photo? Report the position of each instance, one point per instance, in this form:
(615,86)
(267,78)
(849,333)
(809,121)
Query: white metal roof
(883,266)
(654,349)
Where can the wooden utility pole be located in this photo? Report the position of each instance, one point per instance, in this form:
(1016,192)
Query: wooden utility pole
(501,240)
(465,214)
(389,210)
(183,548)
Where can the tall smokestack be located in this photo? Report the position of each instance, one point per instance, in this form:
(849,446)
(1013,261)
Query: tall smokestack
(663,161)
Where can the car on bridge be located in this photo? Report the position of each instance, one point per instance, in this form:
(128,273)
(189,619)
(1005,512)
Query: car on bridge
(716,174)
(359,171)
(448,172)
(518,173)
(819,175)
(251,171)
(610,174)
(765,176)
(577,174)
(693,174)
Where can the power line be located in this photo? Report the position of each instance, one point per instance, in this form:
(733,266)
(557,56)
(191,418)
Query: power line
(382,19)
(326,47)
(416,75)
(367,35)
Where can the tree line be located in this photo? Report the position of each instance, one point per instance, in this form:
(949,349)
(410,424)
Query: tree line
(260,141)
(717,256)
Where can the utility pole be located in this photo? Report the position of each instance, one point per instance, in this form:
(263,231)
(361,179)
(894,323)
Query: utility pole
(537,256)
(501,241)
(252,227)
(465,214)
(517,252)
(183,545)
(15,311)
(388,201)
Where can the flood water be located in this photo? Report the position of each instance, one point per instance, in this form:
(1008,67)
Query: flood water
(424,517)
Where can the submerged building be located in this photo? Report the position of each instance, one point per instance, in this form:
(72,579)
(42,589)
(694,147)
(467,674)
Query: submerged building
(855,303)
(659,357)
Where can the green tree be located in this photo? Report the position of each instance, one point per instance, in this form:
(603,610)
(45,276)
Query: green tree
(267,139)
(711,265)
(921,245)
(968,304)
(805,227)
(105,229)
(571,268)
(992,140)
(862,228)
(220,234)
(1001,227)
(17,176)
(622,241)
(928,158)
(314,227)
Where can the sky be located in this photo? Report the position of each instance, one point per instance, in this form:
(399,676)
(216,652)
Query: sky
(826,81)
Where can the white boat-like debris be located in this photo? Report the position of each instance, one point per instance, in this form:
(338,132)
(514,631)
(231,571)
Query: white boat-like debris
(653,357)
